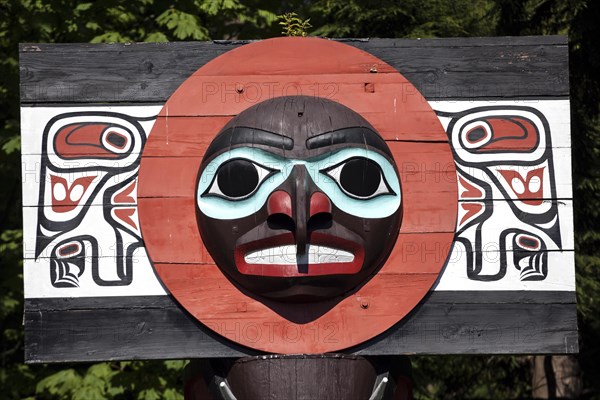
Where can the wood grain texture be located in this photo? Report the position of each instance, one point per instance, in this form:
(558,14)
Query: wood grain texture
(472,321)
(422,168)
(232,84)
(472,68)
(302,377)
(154,327)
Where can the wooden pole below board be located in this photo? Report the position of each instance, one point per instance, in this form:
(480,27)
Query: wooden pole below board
(294,377)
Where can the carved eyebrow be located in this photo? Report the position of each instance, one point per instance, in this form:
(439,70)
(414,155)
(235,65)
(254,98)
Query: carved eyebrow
(246,135)
(358,135)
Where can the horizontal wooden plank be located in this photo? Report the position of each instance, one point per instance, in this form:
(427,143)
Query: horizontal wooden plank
(425,217)
(415,252)
(186,135)
(35,121)
(439,69)
(487,272)
(164,302)
(419,252)
(462,42)
(136,47)
(477,329)
(140,280)
(155,327)
(424,168)
(373,42)
(413,181)
(188,138)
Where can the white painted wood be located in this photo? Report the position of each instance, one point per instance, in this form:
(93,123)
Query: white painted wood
(503,218)
(92,224)
(562,173)
(32,178)
(35,119)
(145,283)
(557,112)
(561,275)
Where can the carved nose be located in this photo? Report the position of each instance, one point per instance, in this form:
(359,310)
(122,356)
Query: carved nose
(293,212)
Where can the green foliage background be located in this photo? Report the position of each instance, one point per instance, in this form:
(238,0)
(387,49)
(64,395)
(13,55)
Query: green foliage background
(160,20)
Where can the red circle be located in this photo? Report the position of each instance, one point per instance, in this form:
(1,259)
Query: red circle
(240,78)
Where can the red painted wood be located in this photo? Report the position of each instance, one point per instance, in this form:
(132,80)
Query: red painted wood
(170,230)
(242,319)
(183,136)
(189,136)
(420,252)
(396,112)
(169,176)
(222,88)
(471,209)
(428,247)
(294,56)
(426,168)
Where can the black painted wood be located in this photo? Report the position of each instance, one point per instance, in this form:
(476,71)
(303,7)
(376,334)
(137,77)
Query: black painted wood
(155,327)
(526,67)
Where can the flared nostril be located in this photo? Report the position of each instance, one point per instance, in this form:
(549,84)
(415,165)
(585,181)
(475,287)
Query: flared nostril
(319,204)
(320,221)
(280,202)
(281,222)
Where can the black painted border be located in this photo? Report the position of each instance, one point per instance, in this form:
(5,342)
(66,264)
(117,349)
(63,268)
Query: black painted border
(156,327)
(472,68)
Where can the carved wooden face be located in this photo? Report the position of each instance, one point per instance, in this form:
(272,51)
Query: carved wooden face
(298,199)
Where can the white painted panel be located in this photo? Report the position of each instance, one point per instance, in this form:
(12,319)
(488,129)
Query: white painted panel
(93,223)
(39,285)
(557,112)
(504,218)
(561,173)
(561,274)
(35,119)
(114,174)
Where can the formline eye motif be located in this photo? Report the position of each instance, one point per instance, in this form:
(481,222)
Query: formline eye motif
(360,178)
(237,179)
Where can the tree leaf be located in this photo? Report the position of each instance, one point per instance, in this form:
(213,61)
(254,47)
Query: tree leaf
(12,145)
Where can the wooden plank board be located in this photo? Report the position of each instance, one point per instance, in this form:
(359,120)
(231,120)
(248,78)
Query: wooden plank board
(472,307)
(415,168)
(414,251)
(146,72)
(155,327)
(430,223)
(143,282)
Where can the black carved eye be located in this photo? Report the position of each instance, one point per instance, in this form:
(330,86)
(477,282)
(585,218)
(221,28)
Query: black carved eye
(116,139)
(237,179)
(359,177)
(475,135)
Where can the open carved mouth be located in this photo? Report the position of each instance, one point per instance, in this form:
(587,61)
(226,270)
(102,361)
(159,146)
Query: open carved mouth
(286,255)
(277,257)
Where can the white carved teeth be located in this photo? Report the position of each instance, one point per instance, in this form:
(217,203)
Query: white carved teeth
(286,255)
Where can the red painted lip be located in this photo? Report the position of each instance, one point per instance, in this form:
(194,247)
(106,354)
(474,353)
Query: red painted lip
(294,270)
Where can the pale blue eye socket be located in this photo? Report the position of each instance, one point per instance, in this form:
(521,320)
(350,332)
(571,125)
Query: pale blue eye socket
(359,178)
(215,200)
(238,179)
(327,172)
(380,199)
